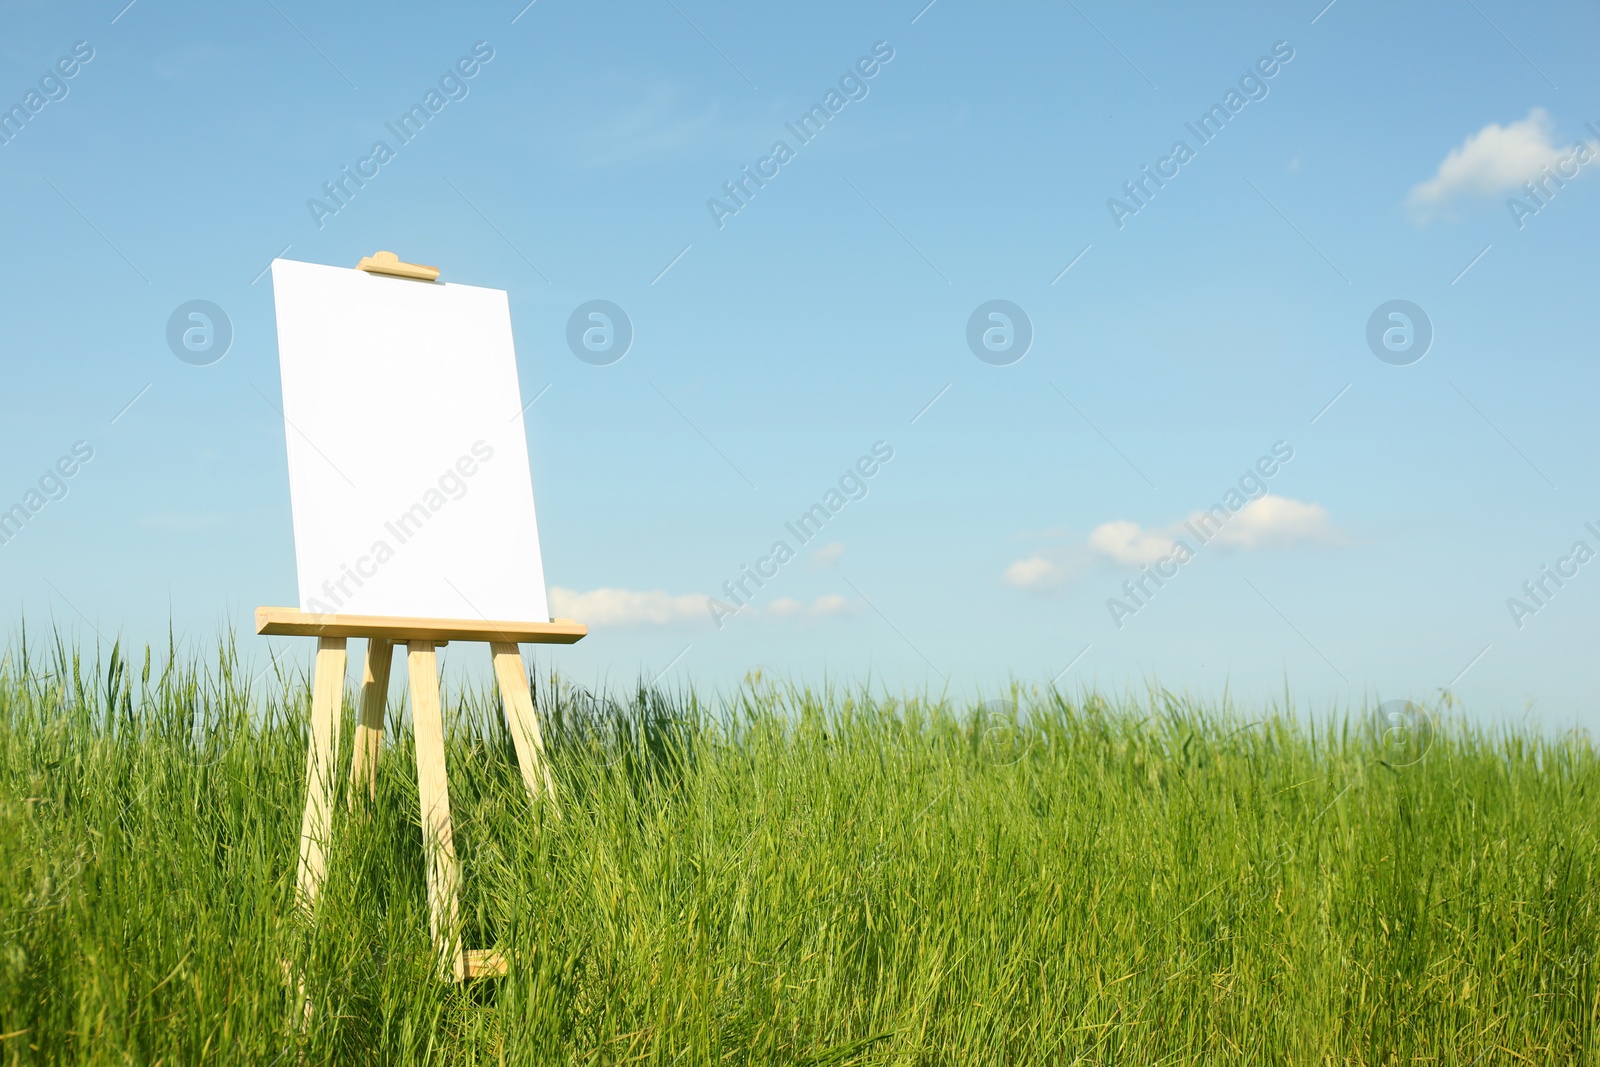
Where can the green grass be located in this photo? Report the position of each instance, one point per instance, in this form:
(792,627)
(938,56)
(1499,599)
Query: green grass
(785,876)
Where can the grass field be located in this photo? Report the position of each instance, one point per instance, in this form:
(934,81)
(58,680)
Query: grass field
(784,876)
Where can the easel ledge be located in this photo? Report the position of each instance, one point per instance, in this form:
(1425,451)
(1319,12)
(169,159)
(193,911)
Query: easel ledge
(292,622)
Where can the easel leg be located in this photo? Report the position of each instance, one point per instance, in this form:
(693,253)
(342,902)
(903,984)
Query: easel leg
(369,730)
(438,842)
(327,697)
(523,721)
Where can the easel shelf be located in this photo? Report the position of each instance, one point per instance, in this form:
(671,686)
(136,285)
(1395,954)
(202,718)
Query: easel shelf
(292,622)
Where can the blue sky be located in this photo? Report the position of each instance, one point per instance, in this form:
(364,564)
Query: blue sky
(1172,347)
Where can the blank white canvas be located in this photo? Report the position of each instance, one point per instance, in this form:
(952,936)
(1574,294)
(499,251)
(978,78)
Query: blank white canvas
(408,462)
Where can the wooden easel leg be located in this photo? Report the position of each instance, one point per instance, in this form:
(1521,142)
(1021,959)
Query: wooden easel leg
(523,721)
(369,729)
(438,842)
(327,697)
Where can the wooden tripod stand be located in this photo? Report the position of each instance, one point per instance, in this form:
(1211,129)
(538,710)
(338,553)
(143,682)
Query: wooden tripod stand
(421,637)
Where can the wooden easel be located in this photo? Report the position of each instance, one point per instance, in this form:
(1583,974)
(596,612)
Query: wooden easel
(421,637)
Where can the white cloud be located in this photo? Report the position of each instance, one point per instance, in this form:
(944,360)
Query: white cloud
(829,605)
(827,555)
(1035,572)
(1267,522)
(1494,160)
(785,607)
(1049,567)
(1128,543)
(1279,522)
(626,607)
